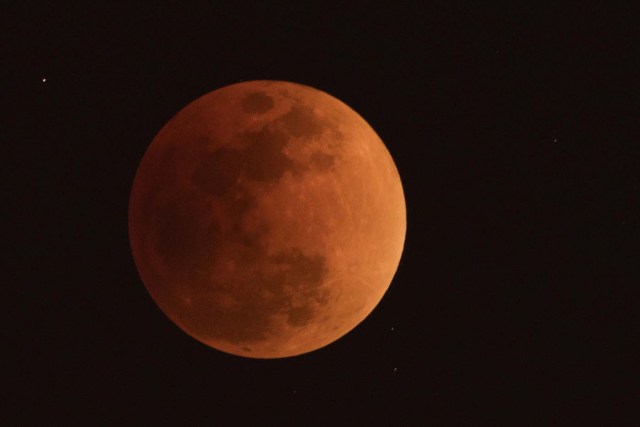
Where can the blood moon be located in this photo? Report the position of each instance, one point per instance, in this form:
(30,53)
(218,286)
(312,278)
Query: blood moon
(267,219)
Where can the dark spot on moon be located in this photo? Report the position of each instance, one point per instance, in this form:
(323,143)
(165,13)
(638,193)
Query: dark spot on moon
(298,284)
(238,204)
(322,161)
(257,102)
(265,160)
(262,159)
(252,241)
(301,121)
(218,171)
(300,268)
(289,283)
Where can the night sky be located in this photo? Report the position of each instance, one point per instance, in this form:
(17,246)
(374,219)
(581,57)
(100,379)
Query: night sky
(514,131)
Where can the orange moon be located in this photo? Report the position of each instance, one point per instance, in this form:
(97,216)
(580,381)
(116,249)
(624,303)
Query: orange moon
(267,219)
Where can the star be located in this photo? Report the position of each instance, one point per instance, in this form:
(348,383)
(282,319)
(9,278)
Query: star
(44,80)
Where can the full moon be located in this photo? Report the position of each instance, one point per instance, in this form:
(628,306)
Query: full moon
(267,219)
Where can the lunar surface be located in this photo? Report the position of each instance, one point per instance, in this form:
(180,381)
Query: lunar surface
(267,219)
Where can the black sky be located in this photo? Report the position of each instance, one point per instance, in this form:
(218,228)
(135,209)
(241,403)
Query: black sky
(514,130)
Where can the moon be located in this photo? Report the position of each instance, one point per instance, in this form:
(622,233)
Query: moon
(267,219)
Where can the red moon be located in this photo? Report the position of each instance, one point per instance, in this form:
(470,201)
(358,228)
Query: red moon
(267,219)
